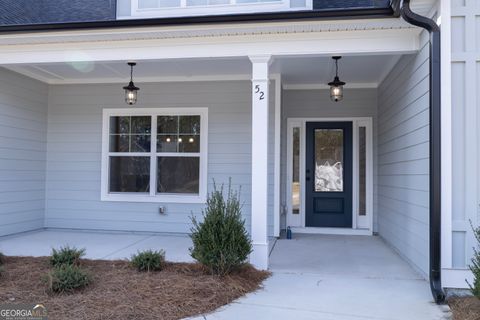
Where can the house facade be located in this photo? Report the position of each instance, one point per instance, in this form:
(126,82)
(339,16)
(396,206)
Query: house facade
(239,91)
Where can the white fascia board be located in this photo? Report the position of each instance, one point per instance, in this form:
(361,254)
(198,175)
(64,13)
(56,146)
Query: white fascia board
(203,30)
(319,43)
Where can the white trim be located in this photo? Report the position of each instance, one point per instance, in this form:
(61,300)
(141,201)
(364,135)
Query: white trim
(277,154)
(446,142)
(232,7)
(333,231)
(358,42)
(356,121)
(158,79)
(260,132)
(152,196)
(322,86)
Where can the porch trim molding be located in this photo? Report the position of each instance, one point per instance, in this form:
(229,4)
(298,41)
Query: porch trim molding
(357,42)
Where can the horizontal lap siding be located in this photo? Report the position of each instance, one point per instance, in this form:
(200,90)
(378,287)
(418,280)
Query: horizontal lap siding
(74,153)
(23,132)
(403,158)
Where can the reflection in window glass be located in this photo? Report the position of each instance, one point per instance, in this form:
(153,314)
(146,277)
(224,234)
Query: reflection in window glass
(296,171)
(362,170)
(130,134)
(129,174)
(328,160)
(178,174)
(178,134)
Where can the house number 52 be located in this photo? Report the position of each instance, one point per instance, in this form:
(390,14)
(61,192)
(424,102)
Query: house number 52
(259,92)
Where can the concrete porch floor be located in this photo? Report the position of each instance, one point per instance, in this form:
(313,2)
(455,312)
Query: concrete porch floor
(313,276)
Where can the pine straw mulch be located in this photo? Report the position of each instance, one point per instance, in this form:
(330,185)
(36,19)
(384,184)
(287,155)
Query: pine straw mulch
(465,308)
(120,292)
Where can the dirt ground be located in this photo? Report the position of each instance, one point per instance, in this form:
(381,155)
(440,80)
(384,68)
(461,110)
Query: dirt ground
(120,292)
(465,308)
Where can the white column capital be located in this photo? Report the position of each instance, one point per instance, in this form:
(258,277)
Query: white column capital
(263,58)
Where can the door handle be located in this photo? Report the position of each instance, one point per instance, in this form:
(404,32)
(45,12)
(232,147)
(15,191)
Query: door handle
(307,175)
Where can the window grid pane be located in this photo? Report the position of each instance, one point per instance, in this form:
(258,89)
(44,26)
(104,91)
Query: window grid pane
(178,134)
(130,134)
(178,175)
(129,174)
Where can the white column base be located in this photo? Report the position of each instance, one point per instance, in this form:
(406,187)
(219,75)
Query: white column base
(259,256)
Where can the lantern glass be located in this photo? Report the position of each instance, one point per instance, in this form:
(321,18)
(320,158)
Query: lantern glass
(131,96)
(336,93)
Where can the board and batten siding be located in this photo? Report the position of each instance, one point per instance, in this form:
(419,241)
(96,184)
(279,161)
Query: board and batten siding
(23,134)
(74,153)
(317,104)
(465,106)
(403,158)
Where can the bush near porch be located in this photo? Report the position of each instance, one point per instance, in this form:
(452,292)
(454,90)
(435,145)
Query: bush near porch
(118,291)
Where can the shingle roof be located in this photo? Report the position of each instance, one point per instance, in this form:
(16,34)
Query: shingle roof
(19,12)
(27,12)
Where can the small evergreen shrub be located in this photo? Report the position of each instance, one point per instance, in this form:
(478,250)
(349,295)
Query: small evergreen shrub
(475,266)
(67,278)
(221,242)
(66,256)
(2,258)
(148,260)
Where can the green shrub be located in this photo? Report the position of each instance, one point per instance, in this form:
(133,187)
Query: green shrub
(2,258)
(66,256)
(475,266)
(148,260)
(221,242)
(2,270)
(67,278)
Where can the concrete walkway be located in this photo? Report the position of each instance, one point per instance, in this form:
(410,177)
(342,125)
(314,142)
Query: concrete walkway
(98,245)
(313,276)
(337,278)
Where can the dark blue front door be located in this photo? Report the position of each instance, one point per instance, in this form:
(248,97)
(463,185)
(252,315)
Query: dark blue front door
(329,174)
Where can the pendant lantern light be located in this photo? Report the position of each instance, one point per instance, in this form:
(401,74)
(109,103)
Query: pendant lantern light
(131,91)
(336,86)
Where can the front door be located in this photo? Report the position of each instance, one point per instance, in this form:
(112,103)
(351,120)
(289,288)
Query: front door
(328,174)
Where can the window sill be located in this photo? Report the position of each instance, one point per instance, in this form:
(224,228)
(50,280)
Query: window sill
(154,199)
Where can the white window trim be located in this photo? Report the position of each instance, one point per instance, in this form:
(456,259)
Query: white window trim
(152,196)
(230,8)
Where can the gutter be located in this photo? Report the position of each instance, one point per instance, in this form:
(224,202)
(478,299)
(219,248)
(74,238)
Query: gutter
(336,14)
(435,145)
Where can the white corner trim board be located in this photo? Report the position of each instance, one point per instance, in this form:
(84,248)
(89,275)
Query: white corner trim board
(152,195)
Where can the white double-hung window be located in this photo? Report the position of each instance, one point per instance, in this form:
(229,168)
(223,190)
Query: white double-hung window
(154,155)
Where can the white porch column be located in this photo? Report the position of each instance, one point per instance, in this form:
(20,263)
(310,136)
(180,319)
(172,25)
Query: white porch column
(260,105)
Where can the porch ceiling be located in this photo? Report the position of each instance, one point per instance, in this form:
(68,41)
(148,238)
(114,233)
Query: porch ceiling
(366,71)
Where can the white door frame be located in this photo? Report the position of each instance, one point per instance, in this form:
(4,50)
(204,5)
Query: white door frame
(361,225)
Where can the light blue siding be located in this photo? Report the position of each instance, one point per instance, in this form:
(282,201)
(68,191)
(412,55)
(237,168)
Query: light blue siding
(74,153)
(403,158)
(23,131)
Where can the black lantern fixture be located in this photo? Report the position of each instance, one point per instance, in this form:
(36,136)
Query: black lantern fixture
(336,86)
(131,91)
